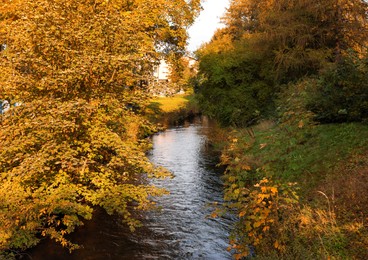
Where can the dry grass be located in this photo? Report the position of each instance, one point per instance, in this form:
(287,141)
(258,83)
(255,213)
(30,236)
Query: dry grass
(264,125)
(348,188)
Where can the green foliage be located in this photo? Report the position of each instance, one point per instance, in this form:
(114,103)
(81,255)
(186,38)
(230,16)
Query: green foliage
(292,152)
(340,93)
(235,89)
(267,45)
(264,161)
(262,205)
(302,60)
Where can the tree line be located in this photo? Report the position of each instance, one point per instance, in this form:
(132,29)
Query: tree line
(267,48)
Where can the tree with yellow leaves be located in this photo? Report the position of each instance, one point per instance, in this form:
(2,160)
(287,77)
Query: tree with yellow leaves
(78,69)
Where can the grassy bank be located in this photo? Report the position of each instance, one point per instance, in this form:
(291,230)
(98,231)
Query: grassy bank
(172,110)
(300,191)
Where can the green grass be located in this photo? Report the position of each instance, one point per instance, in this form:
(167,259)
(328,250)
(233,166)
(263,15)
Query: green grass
(171,110)
(295,153)
(170,104)
(329,164)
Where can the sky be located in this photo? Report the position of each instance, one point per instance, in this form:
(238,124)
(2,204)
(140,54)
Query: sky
(206,23)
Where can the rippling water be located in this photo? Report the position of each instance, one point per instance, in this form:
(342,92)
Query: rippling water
(181,228)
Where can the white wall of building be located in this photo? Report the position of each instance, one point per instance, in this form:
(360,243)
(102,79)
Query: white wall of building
(162,71)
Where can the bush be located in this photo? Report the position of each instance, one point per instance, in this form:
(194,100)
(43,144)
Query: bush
(237,87)
(340,93)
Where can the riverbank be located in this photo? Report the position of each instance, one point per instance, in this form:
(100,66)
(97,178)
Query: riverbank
(300,190)
(172,110)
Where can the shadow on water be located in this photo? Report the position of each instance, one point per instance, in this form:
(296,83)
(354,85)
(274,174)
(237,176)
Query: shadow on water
(181,228)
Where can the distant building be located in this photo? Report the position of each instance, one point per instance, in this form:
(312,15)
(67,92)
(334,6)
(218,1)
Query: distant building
(162,71)
(161,79)
(4,106)
(163,84)
(3,47)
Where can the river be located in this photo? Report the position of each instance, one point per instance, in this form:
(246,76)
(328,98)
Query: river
(181,228)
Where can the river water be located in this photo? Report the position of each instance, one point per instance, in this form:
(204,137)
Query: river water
(181,228)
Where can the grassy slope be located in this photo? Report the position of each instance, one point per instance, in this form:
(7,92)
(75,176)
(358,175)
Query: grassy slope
(299,152)
(330,164)
(170,110)
(170,104)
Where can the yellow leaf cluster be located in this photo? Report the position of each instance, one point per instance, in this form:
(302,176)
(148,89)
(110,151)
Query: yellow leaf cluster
(77,140)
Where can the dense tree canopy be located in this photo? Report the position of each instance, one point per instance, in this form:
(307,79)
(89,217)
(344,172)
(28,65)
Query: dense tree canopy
(268,44)
(78,70)
(235,86)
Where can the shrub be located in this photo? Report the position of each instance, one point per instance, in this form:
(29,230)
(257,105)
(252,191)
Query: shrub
(340,93)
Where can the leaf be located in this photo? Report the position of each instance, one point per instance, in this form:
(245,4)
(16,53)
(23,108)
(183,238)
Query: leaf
(242,213)
(276,244)
(273,190)
(245,167)
(214,215)
(257,224)
(301,124)
(261,146)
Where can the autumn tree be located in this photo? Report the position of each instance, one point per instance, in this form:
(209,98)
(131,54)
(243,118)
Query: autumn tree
(75,142)
(302,34)
(305,35)
(273,44)
(183,72)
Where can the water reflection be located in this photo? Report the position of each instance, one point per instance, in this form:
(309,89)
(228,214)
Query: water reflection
(181,229)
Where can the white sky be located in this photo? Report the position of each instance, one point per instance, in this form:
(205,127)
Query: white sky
(207,22)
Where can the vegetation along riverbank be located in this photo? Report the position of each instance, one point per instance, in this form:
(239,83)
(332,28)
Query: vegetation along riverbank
(82,72)
(172,110)
(289,82)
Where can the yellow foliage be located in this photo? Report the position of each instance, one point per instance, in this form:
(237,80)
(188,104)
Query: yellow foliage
(78,68)
(260,210)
